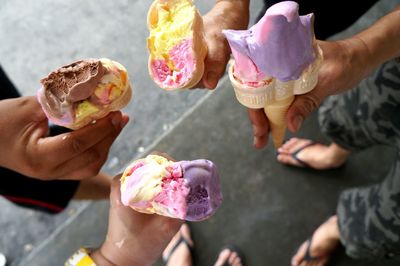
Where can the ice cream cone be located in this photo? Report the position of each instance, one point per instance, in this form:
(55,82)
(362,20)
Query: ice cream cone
(249,96)
(276,113)
(276,96)
(167,73)
(98,87)
(187,190)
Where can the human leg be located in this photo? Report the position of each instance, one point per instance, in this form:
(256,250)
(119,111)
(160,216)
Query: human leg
(368,218)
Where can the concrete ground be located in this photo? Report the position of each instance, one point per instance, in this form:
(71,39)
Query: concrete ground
(268,208)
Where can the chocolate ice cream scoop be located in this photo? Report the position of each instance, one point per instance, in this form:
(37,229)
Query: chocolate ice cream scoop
(76,94)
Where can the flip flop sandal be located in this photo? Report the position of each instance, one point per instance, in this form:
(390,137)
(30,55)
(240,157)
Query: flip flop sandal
(307,255)
(294,154)
(180,241)
(233,248)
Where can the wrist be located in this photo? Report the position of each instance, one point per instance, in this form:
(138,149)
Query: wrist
(359,56)
(100,259)
(334,232)
(114,255)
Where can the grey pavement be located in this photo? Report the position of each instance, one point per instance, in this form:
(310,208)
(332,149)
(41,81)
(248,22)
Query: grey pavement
(268,208)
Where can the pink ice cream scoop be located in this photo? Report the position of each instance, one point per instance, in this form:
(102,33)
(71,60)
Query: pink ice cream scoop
(280,45)
(187,190)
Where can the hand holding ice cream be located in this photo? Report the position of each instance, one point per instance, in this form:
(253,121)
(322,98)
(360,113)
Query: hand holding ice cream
(32,152)
(133,238)
(184,53)
(274,60)
(223,15)
(187,190)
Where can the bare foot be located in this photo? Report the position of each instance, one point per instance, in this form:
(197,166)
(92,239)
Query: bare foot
(314,155)
(324,242)
(230,257)
(181,255)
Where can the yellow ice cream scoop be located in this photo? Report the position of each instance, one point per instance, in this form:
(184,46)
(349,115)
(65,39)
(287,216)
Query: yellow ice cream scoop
(176,44)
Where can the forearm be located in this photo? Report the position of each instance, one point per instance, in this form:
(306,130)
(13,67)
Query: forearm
(379,43)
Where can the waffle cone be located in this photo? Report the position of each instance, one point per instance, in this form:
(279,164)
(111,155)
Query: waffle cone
(276,113)
(199,48)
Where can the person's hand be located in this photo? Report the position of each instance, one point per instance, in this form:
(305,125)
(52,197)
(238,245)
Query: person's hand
(133,238)
(341,70)
(27,148)
(224,15)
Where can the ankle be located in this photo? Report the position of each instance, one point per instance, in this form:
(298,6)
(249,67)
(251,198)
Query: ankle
(333,229)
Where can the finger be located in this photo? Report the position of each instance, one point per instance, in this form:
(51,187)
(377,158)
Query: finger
(63,147)
(216,60)
(89,163)
(260,127)
(301,108)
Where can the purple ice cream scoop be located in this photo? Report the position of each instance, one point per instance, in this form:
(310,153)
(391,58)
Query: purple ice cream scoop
(279,45)
(205,196)
(187,190)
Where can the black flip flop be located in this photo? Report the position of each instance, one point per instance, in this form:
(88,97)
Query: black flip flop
(233,248)
(180,241)
(294,154)
(307,255)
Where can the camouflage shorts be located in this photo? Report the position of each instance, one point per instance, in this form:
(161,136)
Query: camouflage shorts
(369,218)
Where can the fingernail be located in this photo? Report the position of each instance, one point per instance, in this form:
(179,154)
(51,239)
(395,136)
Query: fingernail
(124,121)
(116,120)
(298,121)
(212,80)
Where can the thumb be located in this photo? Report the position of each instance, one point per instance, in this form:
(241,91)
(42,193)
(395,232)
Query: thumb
(216,60)
(301,108)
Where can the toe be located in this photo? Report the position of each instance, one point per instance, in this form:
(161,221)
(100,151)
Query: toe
(237,262)
(231,258)
(223,257)
(288,159)
(286,146)
(297,259)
